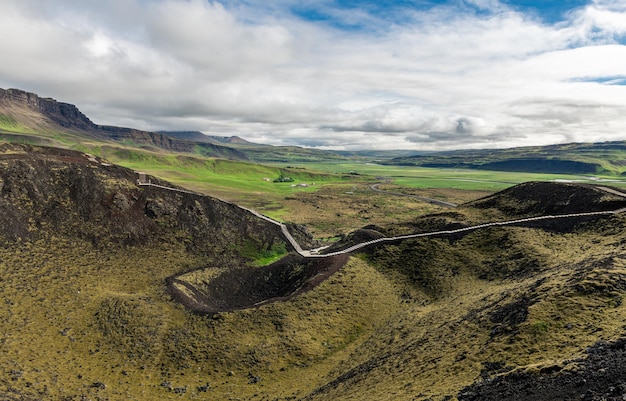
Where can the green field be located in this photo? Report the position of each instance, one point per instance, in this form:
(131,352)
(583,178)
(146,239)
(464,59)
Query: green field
(478,180)
(248,184)
(245,180)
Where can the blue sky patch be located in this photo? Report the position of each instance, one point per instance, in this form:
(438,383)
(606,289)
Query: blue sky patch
(550,11)
(615,80)
(344,14)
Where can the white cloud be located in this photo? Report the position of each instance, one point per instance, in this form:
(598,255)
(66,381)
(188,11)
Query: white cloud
(447,77)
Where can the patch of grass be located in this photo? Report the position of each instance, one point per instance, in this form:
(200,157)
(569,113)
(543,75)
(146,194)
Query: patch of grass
(539,329)
(478,180)
(335,210)
(8,123)
(271,255)
(106,314)
(244,183)
(260,255)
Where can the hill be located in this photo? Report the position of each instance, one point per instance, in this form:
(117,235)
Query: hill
(92,267)
(198,136)
(264,153)
(26,117)
(522,312)
(608,158)
(85,257)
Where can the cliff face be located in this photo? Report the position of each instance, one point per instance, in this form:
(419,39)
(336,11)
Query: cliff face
(19,96)
(163,141)
(65,114)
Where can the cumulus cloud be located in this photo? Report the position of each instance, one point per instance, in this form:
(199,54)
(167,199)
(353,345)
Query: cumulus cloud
(473,73)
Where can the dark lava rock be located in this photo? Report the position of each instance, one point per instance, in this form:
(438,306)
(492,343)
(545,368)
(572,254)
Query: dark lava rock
(599,376)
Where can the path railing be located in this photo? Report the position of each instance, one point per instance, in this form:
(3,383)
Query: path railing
(315,252)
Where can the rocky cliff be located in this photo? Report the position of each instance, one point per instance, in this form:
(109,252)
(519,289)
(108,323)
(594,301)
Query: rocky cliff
(65,116)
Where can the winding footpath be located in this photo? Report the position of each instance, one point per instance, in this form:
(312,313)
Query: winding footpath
(315,253)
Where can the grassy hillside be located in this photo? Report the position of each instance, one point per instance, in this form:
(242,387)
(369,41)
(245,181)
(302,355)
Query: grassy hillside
(608,158)
(245,183)
(89,262)
(493,303)
(84,261)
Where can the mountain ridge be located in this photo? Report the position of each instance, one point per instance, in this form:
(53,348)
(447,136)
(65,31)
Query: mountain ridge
(65,116)
(27,116)
(198,136)
(569,158)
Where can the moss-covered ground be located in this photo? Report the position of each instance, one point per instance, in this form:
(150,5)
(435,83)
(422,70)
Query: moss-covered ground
(76,322)
(90,316)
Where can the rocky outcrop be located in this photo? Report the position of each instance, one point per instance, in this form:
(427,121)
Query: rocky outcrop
(19,96)
(163,141)
(599,376)
(67,116)
(64,114)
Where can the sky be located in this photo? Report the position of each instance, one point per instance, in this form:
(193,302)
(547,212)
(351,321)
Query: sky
(331,74)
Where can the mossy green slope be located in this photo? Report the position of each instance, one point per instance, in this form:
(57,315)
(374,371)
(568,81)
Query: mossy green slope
(495,301)
(85,310)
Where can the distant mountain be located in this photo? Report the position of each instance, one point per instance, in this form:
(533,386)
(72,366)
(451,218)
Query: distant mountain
(28,114)
(27,117)
(264,153)
(572,158)
(198,136)
(234,139)
(380,154)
